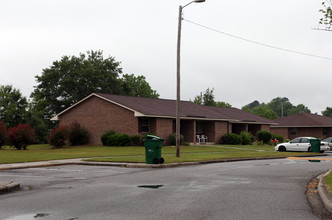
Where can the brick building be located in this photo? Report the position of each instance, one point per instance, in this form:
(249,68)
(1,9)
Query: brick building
(136,115)
(303,124)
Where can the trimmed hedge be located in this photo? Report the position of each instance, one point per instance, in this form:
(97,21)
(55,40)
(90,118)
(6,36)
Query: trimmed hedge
(118,140)
(105,135)
(135,139)
(265,136)
(231,138)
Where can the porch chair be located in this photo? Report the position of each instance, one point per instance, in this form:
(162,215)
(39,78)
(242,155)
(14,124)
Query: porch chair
(199,138)
(204,137)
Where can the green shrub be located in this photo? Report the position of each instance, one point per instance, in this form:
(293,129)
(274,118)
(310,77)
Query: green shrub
(21,136)
(231,138)
(58,136)
(104,137)
(77,134)
(280,138)
(172,139)
(246,138)
(264,135)
(135,139)
(118,140)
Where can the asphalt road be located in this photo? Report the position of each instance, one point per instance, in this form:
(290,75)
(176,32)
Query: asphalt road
(264,189)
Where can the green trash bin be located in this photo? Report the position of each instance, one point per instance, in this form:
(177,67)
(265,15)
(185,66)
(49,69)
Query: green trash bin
(153,145)
(315,145)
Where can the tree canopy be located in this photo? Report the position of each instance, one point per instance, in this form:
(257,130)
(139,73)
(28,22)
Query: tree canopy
(72,78)
(207,98)
(13,106)
(280,106)
(137,86)
(326,20)
(327,112)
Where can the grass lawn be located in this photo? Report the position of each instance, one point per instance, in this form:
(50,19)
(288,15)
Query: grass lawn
(328,182)
(137,154)
(203,153)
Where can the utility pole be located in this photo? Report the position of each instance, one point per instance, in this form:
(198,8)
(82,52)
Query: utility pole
(178,78)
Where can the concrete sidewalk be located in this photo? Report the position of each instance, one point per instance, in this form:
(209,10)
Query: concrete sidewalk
(8,186)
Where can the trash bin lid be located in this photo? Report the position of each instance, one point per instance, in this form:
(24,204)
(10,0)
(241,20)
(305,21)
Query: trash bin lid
(152,137)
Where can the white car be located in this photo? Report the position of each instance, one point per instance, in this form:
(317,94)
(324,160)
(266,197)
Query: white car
(328,141)
(300,144)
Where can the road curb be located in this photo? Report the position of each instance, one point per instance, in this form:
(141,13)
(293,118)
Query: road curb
(9,187)
(81,161)
(324,194)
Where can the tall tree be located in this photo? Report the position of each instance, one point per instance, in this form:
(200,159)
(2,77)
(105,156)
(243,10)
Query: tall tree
(263,110)
(326,20)
(280,106)
(327,112)
(208,97)
(72,78)
(137,86)
(13,106)
(252,105)
(223,104)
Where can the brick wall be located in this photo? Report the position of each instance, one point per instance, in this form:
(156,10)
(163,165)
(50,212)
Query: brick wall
(220,130)
(188,130)
(310,132)
(164,127)
(265,127)
(302,132)
(98,115)
(280,131)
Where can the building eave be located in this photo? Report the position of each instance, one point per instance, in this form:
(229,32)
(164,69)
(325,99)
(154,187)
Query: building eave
(56,117)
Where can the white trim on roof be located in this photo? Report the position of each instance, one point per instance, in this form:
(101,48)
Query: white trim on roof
(56,117)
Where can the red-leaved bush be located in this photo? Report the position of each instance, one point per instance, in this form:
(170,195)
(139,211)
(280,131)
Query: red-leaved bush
(58,136)
(21,136)
(3,134)
(78,135)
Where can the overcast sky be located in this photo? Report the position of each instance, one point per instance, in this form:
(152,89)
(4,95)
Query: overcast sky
(142,36)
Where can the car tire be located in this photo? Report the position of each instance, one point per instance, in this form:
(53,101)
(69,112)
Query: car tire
(321,151)
(282,148)
(309,149)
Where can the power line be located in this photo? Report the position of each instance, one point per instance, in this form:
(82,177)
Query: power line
(256,42)
(16,84)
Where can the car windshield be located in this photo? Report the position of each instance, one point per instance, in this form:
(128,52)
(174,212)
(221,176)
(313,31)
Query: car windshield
(328,139)
(296,140)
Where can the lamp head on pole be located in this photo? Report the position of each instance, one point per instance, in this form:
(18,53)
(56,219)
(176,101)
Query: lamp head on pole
(195,1)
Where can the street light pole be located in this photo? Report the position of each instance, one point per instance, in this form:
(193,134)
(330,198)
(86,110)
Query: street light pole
(178,77)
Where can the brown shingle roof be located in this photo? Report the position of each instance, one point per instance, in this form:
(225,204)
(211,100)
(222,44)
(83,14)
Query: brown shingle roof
(304,120)
(165,107)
